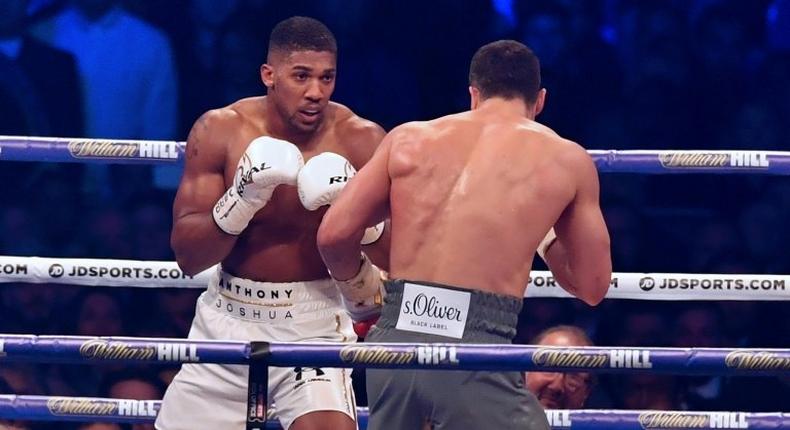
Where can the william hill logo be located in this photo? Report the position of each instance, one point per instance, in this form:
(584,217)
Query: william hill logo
(375,355)
(63,406)
(723,159)
(579,358)
(113,350)
(77,406)
(113,149)
(759,360)
(683,420)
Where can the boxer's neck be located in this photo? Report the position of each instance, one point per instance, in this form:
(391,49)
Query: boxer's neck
(499,106)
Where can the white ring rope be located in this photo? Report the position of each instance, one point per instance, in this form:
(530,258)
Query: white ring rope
(166,274)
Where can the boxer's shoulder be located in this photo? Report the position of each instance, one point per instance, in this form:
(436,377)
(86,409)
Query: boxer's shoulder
(359,136)
(350,125)
(227,118)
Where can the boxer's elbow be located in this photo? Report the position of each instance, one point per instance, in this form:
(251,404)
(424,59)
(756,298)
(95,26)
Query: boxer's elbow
(187,263)
(331,236)
(596,276)
(187,259)
(593,291)
(190,268)
(593,288)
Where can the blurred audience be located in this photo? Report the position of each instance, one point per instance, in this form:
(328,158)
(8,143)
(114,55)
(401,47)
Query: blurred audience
(129,84)
(620,74)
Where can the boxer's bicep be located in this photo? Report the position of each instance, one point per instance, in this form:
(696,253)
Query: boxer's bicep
(202,182)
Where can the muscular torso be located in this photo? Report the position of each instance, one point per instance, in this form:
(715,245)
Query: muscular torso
(471,198)
(279,244)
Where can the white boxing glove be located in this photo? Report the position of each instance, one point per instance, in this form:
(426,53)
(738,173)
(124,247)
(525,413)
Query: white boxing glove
(266,163)
(363,295)
(544,244)
(320,182)
(322,178)
(372,234)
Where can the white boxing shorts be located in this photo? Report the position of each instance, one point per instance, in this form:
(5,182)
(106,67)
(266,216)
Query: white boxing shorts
(214,396)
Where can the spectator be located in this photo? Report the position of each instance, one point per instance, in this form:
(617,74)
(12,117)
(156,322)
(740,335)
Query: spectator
(50,104)
(10,424)
(27,308)
(129,84)
(556,390)
(92,312)
(126,67)
(700,325)
(150,228)
(648,391)
(133,384)
(98,313)
(199,59)
(20,234)
(34,100)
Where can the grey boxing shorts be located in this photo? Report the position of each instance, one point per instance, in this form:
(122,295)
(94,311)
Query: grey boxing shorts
(423,312)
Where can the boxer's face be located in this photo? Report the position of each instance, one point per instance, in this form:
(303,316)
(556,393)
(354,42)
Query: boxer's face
(301,83)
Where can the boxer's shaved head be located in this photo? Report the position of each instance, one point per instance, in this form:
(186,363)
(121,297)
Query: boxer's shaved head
(300,33)
(507,69)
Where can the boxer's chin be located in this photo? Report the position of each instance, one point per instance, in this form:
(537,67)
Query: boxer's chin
(306,123)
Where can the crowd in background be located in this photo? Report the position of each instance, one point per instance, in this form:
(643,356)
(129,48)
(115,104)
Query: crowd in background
(620,74)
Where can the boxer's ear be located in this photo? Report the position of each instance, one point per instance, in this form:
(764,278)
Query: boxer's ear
(540,101)
(267,76)
(474,96)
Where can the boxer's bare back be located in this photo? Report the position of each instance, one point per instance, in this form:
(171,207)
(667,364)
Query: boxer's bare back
(472,195)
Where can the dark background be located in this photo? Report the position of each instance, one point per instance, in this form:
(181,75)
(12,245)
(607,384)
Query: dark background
(620,74)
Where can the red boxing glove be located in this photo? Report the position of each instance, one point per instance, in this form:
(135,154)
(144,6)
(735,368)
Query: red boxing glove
(363,327)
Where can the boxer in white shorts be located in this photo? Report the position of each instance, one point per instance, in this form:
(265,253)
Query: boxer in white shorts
(258,176)
(215,395)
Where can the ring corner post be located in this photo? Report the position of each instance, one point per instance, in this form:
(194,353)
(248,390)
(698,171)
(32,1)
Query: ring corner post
(258,386)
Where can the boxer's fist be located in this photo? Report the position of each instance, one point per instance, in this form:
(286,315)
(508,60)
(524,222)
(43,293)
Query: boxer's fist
(322,178)
(266,163)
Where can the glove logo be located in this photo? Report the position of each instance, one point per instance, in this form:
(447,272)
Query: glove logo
(56,270)
(348,172)
(337,179)
(245,173)
(647,283)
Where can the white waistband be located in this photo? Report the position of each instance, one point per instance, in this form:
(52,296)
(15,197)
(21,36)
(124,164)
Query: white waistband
(271,301)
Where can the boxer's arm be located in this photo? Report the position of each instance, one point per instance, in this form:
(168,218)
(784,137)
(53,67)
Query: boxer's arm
(196,240)
(370,137)
(364,202)
(580,257)
(379,250)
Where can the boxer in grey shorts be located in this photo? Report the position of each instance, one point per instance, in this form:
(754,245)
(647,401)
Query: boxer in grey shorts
(450,399)
(471,198)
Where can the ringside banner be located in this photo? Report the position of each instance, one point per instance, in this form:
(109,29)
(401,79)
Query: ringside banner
(166,274)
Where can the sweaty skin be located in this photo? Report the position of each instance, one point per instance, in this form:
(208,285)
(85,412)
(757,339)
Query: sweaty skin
(279,243)
(471,196)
